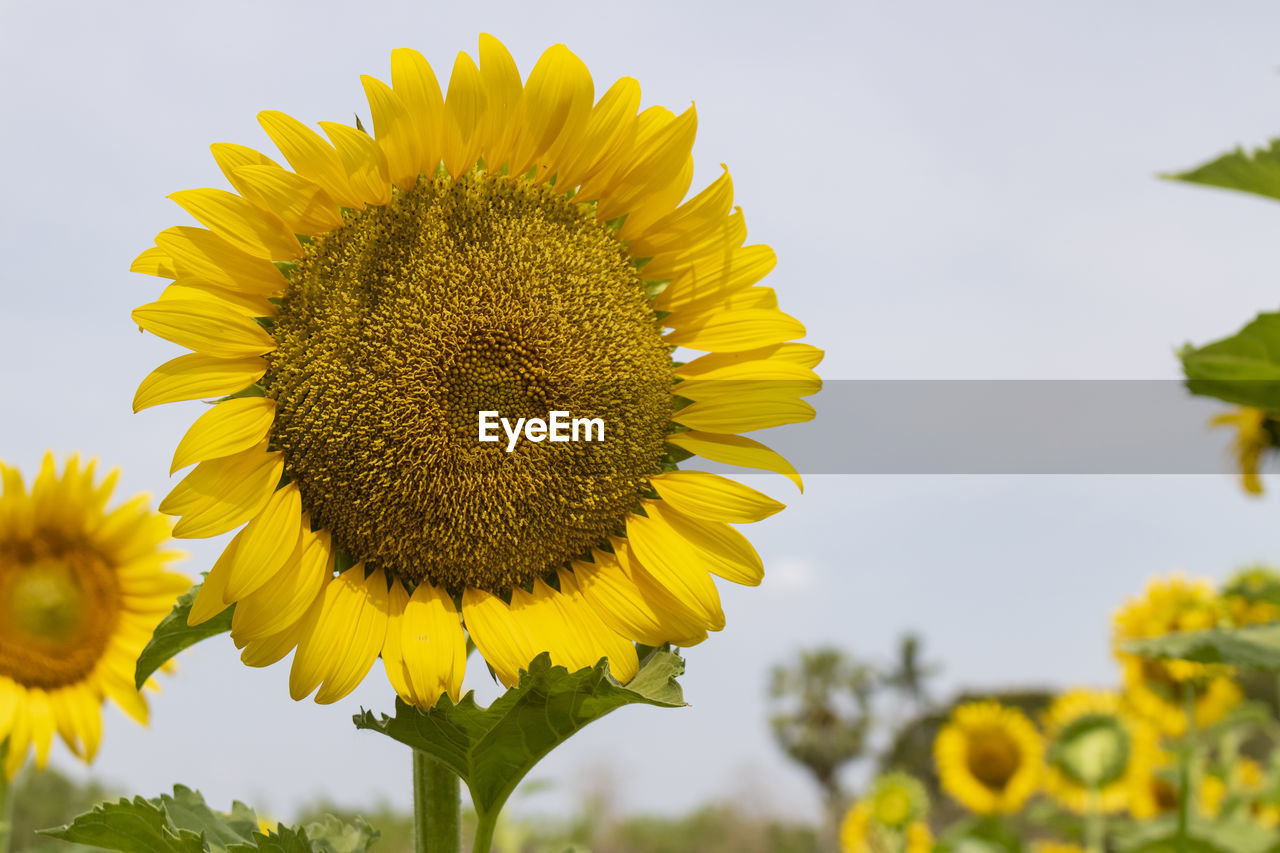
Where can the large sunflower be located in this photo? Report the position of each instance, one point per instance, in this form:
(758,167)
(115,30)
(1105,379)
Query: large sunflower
(1096,751)
(990,757)
(1157,689)
(81,589)
(511,247)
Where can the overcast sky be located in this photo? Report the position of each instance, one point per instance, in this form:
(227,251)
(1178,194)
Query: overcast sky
(953,191)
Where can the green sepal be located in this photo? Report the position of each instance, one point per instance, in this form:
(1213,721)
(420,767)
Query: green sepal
(491,749)
(183,823)
(1256,172)
(1254,648)
(1243,369)
(173,635)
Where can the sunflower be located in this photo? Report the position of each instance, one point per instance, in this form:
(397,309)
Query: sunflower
(890,819)
(1154,790)
(1253,438)
(1096,749)
(1243,786)
(990,757)
(1156,689)
(1250,596)
(1056,847)
(81,589)
(504,253)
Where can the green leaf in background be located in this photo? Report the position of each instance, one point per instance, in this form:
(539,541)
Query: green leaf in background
(492,748)
(1244,368)
(1256,172)
(183,823)
(173,635)
(1255,647)
(1233,835)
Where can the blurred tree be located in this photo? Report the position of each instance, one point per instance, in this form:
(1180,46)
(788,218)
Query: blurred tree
(910,675)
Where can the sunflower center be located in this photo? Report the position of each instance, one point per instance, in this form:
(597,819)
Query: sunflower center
(993,758)
(57,612)
(485,293)
(892,806)
(1092,750)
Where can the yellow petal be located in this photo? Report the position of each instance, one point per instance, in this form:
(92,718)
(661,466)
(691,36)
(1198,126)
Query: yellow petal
(286,598)
(394,132)
(609,132)
(205,327)
(465,106)
(751,379)
(229,427)
(209,600)
(154,261)
(415,84)
(253,231)
(734,331)
(196,376)
(244,304)
(744,414)
(691,222)
(553,108)
(712,545)
(303,205)
(230,157)
(666,557)
(502,88)
(310,156)
(326,629)
(717,248)
(221,494)
(364,162)
(498,636)
(657,161)
(717,364)
(600,641)
(392,653)
(701,494)
(273,648)
(266,544)
(361,640)
(204,256)
(716,277)
(632,605)
(735,450)
(656,203)
(433,646)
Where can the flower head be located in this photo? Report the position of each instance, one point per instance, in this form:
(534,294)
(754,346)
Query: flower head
(82,586)
(1096,748)
(504,250)
(1253,438)
(891,817)
(990,757)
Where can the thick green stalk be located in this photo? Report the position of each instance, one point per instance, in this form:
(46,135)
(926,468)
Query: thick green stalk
(1095,824)
(486,824)
(6,801)
(1184,766)
(437,807)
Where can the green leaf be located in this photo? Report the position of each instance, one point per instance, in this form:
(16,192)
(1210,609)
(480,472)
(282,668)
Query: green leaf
(1257,172)
(1244,368)
(183,823)
(492,748)
(173,635)
(1255,647)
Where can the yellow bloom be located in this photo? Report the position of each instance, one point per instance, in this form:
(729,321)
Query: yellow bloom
(1154,791)
(1253,438)
(504,247)
(81,589)
(990,757)
(1243,785)
(1244,597)
(1095,752)
(1155,688)
(1056,847)
(861,832)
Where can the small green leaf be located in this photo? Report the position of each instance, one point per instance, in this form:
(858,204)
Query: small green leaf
(1255,647)
(173,635)
(492,748)
(1256,172)
(130,826)
(334,836)
(1244,368)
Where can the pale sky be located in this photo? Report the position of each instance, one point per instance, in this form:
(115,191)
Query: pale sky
(953,191)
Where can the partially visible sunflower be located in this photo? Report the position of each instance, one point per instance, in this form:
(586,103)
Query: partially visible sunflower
(1243,786)
(81,589)
(504,246)
(1096,749)
(1154,791)
(1249,596)
(1056,847)
(990,757)
(1156,688)
(890,819)
(1254,437)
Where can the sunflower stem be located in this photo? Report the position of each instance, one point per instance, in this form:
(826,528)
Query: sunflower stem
(1184,767)
(6,800)
(1095,827)
(437,807)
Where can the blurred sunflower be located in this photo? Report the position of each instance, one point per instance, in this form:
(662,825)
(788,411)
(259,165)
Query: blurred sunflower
(1154,790)
(81,589)
(1250,596)
(1253,438)
(990,757)
(506,246)
(1056,847)
(1156,689)
(1095,751)
(890,819)
(1244,786)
